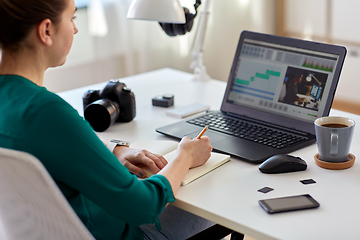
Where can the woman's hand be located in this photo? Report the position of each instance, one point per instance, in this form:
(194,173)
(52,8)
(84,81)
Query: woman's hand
(197,150)
(190,153)
(136,160)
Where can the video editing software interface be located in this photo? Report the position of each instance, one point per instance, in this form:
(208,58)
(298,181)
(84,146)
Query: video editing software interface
(284,80)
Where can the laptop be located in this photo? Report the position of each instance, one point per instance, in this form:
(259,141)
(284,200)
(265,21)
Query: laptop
(276,88)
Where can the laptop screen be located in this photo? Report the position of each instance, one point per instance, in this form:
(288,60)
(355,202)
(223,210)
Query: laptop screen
(285,80)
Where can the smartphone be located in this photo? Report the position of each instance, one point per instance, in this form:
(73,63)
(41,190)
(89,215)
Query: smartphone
(291,203)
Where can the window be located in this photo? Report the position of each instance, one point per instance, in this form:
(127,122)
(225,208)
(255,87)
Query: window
(81,3)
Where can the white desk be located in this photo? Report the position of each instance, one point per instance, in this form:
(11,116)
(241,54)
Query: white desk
(229,195)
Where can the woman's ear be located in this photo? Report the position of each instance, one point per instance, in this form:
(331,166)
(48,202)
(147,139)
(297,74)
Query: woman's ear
(45,32)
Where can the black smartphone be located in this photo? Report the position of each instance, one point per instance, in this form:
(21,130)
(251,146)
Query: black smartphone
(291,203)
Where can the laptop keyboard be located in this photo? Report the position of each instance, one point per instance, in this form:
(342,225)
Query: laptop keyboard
(247,130)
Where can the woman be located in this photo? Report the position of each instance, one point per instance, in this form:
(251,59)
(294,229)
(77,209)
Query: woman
(292,91)
(111,202)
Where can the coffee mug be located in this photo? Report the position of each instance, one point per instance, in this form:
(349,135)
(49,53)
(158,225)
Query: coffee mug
(333,136)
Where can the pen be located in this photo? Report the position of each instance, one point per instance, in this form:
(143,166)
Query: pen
(202,132)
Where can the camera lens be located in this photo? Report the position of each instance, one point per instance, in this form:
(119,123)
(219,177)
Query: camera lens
(101,114)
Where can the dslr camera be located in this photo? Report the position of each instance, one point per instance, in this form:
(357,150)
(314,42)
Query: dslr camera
(114,103)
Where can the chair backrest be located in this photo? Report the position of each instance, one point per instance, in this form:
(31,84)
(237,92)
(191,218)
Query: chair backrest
(31,204)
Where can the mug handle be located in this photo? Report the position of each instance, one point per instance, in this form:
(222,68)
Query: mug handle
(334,143)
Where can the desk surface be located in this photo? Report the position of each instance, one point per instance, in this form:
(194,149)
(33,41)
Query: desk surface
(228,195)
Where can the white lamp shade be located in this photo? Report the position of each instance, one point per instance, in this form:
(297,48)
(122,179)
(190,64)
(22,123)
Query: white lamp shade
(168,11)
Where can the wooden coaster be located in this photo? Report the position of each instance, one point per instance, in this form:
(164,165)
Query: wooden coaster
(335,166)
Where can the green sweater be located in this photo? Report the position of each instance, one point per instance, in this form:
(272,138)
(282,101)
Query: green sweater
(109,200)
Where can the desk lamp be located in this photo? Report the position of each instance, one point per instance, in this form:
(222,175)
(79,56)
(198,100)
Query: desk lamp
(175,20)
(167,11)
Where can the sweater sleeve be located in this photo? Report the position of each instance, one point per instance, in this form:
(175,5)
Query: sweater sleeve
(76,157)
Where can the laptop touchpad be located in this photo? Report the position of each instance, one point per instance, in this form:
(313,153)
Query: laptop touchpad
(214,137)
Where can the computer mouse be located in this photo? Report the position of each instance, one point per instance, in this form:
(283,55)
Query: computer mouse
(282,163)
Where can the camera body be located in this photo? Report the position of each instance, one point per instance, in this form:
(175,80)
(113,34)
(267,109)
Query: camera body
(114,103)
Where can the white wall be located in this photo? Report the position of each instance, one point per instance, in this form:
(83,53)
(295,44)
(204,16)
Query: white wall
(133,46)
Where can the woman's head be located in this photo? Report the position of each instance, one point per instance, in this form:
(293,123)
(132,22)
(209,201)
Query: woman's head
(19,17)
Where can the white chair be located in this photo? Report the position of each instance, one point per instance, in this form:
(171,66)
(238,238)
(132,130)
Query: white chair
(31,204)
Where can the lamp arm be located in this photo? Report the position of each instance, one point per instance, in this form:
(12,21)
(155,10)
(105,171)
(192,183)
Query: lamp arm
(197,63)
(203,27)
(196,5)
(316,79)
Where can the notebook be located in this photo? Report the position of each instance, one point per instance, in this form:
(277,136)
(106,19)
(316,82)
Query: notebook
(280,84)
(168,150)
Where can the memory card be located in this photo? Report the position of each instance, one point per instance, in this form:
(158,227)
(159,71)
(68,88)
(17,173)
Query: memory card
(265,189)
(307,181)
